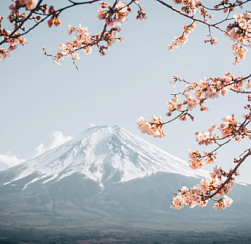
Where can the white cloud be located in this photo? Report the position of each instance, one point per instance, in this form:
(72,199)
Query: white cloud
(10,160)
(58,140)
(92,124)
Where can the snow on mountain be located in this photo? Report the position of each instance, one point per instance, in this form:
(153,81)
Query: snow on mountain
(103,154)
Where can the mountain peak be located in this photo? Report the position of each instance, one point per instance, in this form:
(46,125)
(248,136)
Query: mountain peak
(105,154)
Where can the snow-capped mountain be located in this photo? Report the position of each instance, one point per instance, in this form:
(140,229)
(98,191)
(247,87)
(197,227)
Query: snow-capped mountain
(104,177)
(103,154)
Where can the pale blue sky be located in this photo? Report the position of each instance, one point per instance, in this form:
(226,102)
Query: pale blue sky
(132,80)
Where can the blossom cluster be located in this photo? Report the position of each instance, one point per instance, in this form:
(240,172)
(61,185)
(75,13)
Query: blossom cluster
(239,52)
(232,129)
(189,6)
(18,18)
(229,130)
(190,103)
(181,40)
(11,41)
(28,4)
(54,20)
(114,15)
(205,138)
(204,13)
(84,40)
(199,195)
(239,32)
(219,172)
(152,127)
(196,160)
(210,88)
(213,41)
(141,14)
(187,197)
(223,203)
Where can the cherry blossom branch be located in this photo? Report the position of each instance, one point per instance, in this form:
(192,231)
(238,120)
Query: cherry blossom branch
(239,31)
(243,92)
(14,38)
(19,26)
(74,4)
(236,4)
(224,20)
(112,15)
(237,80)
(190,17)
(181,113)
(211,88)
(208,188)
(240,161)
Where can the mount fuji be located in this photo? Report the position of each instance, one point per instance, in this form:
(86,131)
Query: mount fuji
(107,176)
(102,154)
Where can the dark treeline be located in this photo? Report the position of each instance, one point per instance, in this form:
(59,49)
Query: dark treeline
(82,236)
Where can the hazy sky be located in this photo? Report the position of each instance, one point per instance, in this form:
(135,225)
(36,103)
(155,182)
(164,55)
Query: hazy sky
(44,103)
